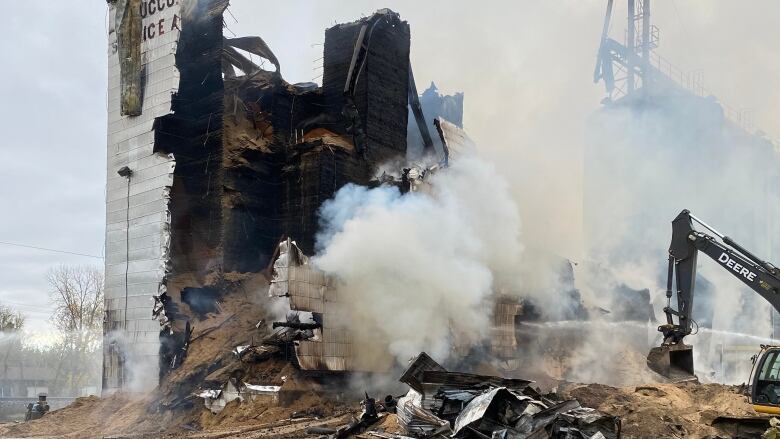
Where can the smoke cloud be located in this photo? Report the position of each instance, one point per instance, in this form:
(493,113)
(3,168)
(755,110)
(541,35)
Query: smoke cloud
(646,162)
(140,370)
(417,270)
(598,186)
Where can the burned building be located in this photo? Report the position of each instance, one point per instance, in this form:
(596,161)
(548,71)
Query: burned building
(213,159)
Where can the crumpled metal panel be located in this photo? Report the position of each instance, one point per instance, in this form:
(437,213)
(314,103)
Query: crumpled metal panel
(320,362)
(307,287)
(254,45)
(503,340)
(413,418)
(311,290)
(478,407)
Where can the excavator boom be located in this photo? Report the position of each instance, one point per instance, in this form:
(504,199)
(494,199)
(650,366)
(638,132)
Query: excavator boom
(674,359)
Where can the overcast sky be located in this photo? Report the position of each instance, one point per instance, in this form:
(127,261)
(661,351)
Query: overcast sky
(525,68)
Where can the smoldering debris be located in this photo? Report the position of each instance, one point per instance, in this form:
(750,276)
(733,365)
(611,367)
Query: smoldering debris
(201,300)
(463,405)
(216,399)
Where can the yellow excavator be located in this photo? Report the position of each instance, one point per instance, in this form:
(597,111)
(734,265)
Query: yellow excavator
(674,359)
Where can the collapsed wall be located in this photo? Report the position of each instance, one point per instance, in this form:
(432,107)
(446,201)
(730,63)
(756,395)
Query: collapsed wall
(220,159)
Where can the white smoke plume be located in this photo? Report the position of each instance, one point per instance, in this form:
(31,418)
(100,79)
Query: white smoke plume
(534,119)
(141,371)
(415,271)
(643,165)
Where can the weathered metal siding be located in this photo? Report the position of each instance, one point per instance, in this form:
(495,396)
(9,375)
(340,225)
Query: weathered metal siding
(311,290)
(130,286)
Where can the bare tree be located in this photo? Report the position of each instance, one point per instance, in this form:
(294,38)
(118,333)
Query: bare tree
(77,296)
(10,319)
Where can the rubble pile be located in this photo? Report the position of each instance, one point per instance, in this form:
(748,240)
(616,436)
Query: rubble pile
(251,393)
(453,404)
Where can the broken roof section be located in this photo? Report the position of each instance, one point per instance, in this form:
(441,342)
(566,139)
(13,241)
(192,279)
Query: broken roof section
(414,373)
(455,141)
(233,58)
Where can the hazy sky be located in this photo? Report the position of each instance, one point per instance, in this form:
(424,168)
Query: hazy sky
(525,68)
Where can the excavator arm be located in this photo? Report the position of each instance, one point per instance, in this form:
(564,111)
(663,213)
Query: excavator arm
(673,358)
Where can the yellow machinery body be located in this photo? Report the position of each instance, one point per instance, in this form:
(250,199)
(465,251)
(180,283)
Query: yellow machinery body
(765,381)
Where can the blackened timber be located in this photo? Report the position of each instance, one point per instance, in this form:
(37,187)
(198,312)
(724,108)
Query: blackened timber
(297,325)
(193,134)
(419,117)
(314,173)
(381,80)
(458,379)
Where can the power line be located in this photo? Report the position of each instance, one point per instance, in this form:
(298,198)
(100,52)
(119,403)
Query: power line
(7,302)
(14,244)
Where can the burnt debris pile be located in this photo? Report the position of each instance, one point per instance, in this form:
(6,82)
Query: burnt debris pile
(441,403)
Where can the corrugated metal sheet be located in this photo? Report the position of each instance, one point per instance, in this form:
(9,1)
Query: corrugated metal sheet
(311,290)
(135,268)
(413,374)
(503,341)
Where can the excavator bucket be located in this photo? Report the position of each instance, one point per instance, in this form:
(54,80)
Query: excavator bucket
(674,362)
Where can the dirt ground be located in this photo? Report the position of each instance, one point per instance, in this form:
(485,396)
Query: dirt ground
(172,411)
(652,411)
(667,410)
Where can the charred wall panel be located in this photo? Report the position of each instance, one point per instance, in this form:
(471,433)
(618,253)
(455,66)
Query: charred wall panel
(193,134)
(314,173)
(381,89)
(260,122)
(252,184)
